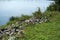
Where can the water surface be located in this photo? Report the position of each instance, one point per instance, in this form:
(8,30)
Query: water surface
(10,8)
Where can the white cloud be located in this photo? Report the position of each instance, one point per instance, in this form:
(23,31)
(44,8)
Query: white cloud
(11,8)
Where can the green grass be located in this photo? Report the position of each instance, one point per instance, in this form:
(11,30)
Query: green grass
(44,31)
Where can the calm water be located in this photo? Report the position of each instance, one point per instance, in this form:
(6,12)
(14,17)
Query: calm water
(3,20)
(16,8)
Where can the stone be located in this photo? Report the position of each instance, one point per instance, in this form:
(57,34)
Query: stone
(12,38)
(21,27)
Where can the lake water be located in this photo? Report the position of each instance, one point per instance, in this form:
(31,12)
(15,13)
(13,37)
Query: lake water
(3,20)
(16,8)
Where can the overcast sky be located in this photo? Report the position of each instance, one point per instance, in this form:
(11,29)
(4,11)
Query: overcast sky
(10,8)
(17,7)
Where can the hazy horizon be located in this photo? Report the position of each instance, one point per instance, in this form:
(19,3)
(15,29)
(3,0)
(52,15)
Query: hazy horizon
(10,8)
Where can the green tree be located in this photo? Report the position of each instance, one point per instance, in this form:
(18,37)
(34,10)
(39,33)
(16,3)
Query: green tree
(37,13)
(52,7)
(13,18)
(24,17)
(55,6)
